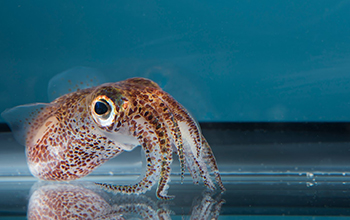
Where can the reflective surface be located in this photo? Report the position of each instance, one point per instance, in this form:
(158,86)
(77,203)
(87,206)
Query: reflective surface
(242,200)
(84,200)
(270,171)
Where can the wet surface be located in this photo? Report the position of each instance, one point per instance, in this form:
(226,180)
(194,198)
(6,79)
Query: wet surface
(269,172)
(26,198)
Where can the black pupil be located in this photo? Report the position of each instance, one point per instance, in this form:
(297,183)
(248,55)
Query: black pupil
(101,108)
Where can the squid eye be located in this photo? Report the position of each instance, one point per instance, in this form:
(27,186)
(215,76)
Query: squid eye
(101,107)
(103,110)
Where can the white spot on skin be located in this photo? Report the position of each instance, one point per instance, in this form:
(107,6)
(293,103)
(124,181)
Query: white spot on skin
(43,129)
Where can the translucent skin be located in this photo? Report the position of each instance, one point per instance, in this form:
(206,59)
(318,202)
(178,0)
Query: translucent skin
(68,139)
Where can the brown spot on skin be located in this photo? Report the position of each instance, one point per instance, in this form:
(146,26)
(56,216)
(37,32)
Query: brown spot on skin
(130,112)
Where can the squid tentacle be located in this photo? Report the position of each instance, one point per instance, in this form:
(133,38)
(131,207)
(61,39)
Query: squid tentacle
(194,156)
(198,165)
(152,170)
(173,127)
(154,148)
(160,129)
(182,115)
(210,159)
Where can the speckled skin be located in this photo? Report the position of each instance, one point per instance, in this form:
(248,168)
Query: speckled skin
(85,202)
(68,140)
(66,201)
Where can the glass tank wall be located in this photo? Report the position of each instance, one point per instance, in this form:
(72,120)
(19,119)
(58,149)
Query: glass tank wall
(268,82)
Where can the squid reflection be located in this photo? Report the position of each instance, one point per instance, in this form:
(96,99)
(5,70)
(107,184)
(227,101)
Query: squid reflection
(78,201)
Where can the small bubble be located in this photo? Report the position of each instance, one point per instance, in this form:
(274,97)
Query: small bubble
(308,184)
(309,175)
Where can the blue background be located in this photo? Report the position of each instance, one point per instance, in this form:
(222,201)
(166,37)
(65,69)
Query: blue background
(234,60)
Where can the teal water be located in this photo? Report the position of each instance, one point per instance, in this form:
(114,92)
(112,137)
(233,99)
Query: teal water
(238,60)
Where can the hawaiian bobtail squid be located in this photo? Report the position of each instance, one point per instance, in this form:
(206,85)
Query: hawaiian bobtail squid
(77,132)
